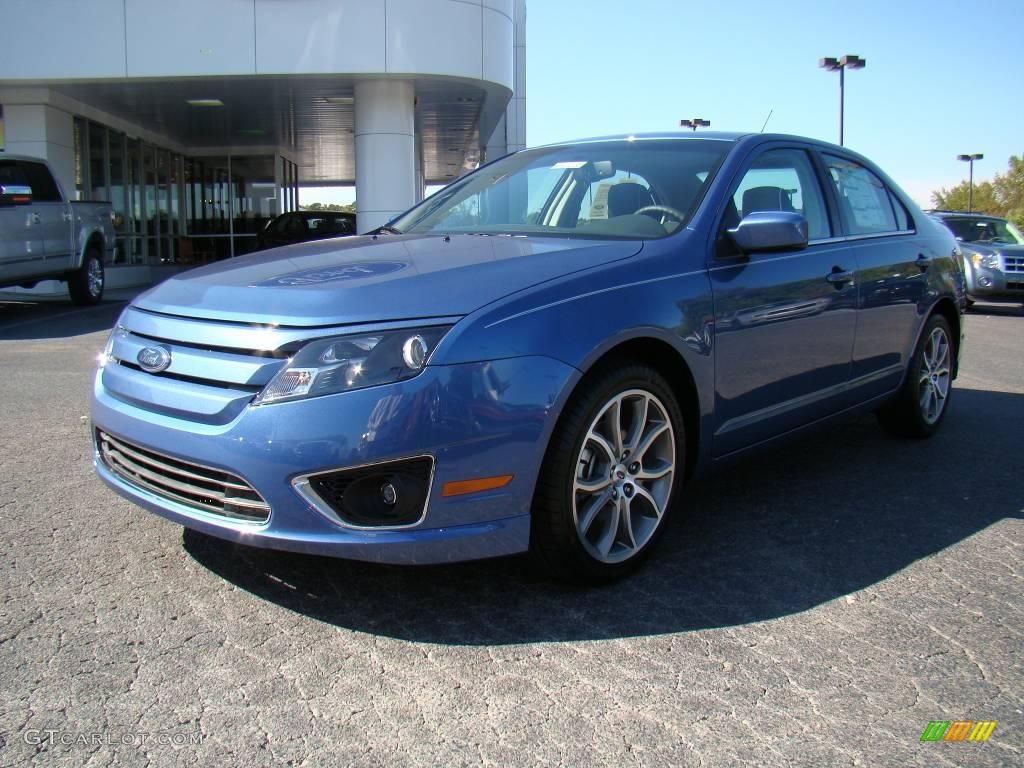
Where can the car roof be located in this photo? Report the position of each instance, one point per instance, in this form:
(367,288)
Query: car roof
(727,136)
(944,214)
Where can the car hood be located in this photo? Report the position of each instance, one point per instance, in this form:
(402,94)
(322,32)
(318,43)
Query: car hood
(367,279)
(1004,248)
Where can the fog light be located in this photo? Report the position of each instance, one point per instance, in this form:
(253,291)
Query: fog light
(389,495)
(984,282)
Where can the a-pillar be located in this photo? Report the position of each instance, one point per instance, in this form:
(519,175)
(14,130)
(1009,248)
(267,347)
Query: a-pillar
(385,150)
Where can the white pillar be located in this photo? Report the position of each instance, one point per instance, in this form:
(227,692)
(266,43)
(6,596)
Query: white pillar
(385,150)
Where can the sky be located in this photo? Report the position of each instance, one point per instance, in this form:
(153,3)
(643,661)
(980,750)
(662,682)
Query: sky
(942,78)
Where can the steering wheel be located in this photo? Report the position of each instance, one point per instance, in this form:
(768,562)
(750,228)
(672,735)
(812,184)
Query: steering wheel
(665,210)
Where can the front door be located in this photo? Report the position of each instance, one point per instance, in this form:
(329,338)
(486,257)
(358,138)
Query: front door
(784,321)
(21,242)
(53,216)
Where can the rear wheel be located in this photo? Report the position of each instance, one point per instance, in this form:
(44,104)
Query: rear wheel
(921,405)
(611,475)
(85,284)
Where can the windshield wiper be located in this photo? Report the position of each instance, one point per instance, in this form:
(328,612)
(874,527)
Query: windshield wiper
(385,230)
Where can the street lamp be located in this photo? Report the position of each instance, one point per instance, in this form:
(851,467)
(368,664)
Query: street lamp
(970,185)
(695,123)
(842,64)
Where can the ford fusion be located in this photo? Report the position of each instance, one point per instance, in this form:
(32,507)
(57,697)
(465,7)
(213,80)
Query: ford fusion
(538,357)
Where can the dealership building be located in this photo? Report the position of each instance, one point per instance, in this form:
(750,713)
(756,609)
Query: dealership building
(200,119)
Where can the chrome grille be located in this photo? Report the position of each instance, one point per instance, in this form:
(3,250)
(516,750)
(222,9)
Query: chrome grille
(1014,263)
(203,488)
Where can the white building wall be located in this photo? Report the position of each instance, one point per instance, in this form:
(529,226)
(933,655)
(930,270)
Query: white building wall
(39,130)
(75,39)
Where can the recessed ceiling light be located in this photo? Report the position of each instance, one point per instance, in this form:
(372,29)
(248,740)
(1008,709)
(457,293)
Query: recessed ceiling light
(339,99)
(204,102)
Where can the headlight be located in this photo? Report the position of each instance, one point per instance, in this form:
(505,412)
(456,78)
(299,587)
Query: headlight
(987,260)
(342,363)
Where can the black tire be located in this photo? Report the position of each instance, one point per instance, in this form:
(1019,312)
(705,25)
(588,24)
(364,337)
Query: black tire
(86,284)
(554,538)
(906,415)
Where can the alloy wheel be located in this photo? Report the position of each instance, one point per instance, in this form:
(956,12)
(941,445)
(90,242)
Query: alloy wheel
(624,475)
(933,382)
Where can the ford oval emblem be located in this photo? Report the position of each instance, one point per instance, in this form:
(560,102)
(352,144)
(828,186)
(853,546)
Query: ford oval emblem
(154,359)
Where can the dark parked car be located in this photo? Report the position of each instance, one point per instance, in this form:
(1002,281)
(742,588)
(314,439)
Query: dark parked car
(993,255)
(539,356)
(300,226)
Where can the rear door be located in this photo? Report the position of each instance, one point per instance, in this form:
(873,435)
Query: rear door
(21,241)
(784,321)
(893,261)
(53,215)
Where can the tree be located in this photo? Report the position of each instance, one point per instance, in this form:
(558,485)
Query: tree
(351,208)
(1003,196)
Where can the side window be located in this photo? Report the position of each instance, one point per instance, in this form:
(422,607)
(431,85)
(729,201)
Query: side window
(903,220)
(782,180)
(12,174)
(44,188)
(863,197)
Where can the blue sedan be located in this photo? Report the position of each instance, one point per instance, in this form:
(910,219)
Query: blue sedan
(538,357)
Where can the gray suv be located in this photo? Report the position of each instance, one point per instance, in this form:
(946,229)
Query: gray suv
(993,255)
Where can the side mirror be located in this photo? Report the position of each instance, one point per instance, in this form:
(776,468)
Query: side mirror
(11,194)
(770,231)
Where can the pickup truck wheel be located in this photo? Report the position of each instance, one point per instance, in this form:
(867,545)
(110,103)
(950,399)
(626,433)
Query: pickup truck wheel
(921,405)
(611,475)
(86,283)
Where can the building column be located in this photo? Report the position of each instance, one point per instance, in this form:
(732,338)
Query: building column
(39,130)
(385,150)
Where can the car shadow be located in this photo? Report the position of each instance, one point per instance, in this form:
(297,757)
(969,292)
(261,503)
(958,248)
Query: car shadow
(783,532)
(24,318)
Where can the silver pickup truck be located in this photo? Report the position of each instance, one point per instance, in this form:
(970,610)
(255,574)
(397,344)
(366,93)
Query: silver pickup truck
(45,237)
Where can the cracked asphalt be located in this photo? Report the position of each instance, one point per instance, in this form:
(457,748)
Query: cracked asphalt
(818,606)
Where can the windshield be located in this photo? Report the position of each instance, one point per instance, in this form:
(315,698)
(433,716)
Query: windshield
(616,189)
(985,231)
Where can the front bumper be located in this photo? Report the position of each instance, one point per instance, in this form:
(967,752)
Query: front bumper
(476,420)
(984,284)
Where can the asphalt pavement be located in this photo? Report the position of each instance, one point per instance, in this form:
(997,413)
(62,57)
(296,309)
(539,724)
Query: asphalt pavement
(818,605)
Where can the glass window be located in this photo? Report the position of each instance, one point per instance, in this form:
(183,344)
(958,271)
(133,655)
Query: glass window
(903,220)
(983,230)
(97,163)
(582,191)
(782,180)
(44,188)
(12,173)
(862,196)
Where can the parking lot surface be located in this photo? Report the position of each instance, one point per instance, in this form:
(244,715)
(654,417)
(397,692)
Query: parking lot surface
(817,605)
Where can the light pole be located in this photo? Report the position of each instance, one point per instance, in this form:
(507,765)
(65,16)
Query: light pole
(970,184)
(695,123)
(842,64)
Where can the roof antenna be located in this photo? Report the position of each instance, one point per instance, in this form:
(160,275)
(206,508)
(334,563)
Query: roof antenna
(767,119)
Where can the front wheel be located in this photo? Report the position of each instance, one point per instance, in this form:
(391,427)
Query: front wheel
(611,476)
(85,284)
(921,405)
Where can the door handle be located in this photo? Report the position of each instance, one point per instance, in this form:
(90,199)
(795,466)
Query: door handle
(922,262)
(36,218)
(838,276)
